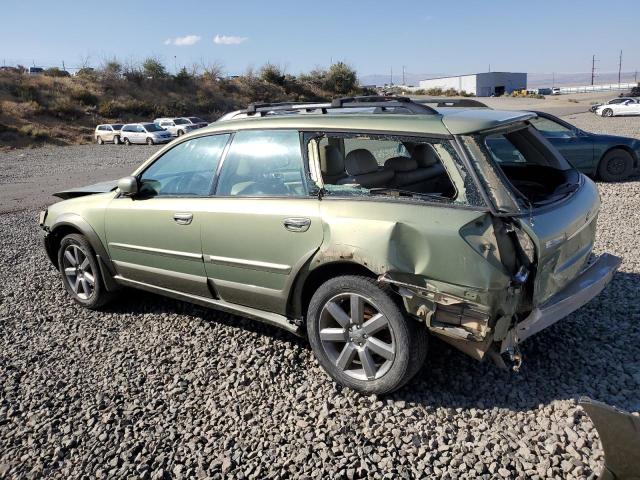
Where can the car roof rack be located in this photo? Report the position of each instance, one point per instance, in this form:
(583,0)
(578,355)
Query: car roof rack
(381,105)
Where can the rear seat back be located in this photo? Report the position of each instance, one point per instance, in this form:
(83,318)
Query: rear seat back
(362,168)
(420,172)
(331,164)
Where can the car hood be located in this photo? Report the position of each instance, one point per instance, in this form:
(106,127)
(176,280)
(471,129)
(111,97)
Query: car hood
(101,187)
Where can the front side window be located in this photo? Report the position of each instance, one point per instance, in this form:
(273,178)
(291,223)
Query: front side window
(152,127)
(187,169)
(263,163)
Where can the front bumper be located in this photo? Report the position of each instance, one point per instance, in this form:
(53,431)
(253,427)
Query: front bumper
(580,291)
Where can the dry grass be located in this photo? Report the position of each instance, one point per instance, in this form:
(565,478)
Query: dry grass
(65,110)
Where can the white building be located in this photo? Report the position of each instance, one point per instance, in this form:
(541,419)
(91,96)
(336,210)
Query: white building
(480,84)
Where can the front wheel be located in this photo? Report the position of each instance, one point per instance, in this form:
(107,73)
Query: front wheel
(149,141)
(116,140)
(361,337)
(100,141)
(127,142)
(180,133)
(80,272)
(615,166)
(607,112)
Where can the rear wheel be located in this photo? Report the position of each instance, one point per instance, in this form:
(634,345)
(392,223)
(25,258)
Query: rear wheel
(615,165)
(361,337)
(116,140)
(100,141)
(80,272)
(607,112)
(149,141)
(180,133)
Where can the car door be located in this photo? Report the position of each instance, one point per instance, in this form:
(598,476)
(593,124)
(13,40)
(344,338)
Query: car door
(154,237)
(574,145)
(141,134)
(108,133)
(262,225)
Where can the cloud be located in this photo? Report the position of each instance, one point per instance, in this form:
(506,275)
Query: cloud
(185,41)
(229,40)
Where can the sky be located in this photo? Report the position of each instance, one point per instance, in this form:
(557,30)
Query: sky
(425,37)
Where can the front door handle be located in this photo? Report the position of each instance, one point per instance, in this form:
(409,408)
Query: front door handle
(297,224)
(183,218)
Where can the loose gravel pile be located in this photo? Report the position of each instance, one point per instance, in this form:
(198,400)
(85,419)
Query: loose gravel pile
(155,388)
(623,126)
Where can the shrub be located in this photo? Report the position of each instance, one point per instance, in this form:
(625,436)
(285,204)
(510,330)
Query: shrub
(272,74)
(635,91)
(34,132)
(111,70)
(153,68)
(85,97)
(115,109)
(437,91)
(341,79)
(56,72)
(183,77)
(63,107)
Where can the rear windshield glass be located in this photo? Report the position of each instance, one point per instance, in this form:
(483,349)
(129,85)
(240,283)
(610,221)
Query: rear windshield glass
(535,172)
(180,121)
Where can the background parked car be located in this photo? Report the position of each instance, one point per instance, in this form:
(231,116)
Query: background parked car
(108,133)
(627,107)
(148,133)
(609,157)
(197,121)
(175,126)
(612,102)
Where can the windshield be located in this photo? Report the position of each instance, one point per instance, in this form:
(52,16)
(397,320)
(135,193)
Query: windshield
(152,127)
(117,127)
(181,121)
(197,120)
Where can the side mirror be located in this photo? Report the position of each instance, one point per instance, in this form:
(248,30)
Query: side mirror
(128,185)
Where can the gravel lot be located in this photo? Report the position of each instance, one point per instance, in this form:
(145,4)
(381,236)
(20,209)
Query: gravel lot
(156,388)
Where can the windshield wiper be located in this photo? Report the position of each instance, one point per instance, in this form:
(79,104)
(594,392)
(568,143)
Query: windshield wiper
(397,192)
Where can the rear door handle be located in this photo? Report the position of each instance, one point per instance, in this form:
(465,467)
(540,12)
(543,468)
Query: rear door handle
(297,224)
(183,218)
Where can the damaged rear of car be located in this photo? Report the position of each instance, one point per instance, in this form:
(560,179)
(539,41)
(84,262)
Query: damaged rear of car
(539,233)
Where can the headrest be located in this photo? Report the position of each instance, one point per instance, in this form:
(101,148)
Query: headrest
(401,164)
(331,160)
(360,161)
(425,155)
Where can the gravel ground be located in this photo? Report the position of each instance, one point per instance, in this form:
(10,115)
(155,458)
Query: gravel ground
(29,176)
(623,126)
(156,388)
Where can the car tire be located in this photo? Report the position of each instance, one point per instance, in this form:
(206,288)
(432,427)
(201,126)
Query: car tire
(374,350)
(180,133)
(607,112)
(100,141)
(615,165)
(150,141)
(116,140)
(127,142)
(80,273)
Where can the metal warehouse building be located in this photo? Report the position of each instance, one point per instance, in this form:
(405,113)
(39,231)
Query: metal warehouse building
(480,84)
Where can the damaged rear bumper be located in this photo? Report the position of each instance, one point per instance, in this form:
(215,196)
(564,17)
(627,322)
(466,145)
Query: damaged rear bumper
(580,291)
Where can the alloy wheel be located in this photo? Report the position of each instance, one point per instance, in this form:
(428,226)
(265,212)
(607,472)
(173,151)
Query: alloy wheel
(357,337)
(78,271)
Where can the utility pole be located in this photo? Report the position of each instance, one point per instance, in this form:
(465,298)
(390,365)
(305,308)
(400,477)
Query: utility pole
(403,82)
(593,69)
(619,68)
(553,84)
(391,79)
(63,67)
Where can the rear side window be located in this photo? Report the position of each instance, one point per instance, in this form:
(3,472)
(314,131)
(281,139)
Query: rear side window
(368,165)
(187,169)
(263,163)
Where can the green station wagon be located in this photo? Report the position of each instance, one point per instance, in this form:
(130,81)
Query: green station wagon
(368,223)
